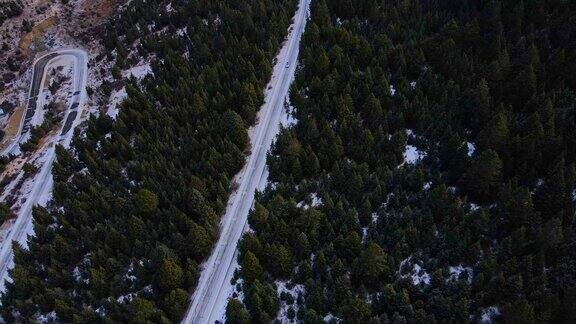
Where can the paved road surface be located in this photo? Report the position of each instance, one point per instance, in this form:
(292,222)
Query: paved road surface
(37,74)
(43,180)
(209,299)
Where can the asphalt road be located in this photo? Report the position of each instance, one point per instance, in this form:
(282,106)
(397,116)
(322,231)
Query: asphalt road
(37,73)
(42,186)
(209,300)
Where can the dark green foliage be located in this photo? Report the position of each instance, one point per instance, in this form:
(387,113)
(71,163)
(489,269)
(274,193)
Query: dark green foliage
(5,212)
(137,200)
(251,269)
(261,302)
(29,168)
(358,222)
(483,176)
(51,119)
(176,303)
(146,201)
(235,313)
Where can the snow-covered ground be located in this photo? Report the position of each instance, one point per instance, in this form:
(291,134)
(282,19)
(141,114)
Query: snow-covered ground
(139,71)
(412,268)
(208,302)
(488,314)
(315,201)
(115,99)
(457,271)
(117,96)
(59,69)
(412,154)
(471,148)
(288,307)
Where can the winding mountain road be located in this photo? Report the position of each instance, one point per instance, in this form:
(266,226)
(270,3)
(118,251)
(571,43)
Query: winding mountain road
(209,300)
(42,186)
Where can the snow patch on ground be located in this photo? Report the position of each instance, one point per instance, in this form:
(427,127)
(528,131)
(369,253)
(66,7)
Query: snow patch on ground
(101,311)
(364,234)
(374,217)
(115,99)
(125,299)
(181,31)
(315,202)
(288,303)
(411,269)
(489,314)
(47,318)
(288,120)
(138,71)
(76,274)
(238,292)
(129,276)
(471,148)
(329,318)
(56,87)
(419,275)
(412,154)
(457,271)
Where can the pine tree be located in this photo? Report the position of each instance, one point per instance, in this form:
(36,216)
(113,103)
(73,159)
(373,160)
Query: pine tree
(484,175)
(495,134)
(176,303)
(170,276)
(356,311)
(484,101)
(235,313)
(372,266)
(141,310)
(251,269)
(146,201)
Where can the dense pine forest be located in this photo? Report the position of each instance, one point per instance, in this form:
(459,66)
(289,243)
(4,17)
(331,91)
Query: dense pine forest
(479,226)
(136,201)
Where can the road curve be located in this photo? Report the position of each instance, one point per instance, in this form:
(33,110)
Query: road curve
(209,299)
(24,127)
(23,225)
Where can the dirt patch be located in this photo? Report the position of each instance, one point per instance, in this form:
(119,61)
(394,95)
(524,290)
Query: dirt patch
(101,8)
(13,167)
(94,15)
(35,34)
(12,126)
(46,139)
